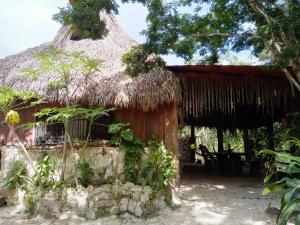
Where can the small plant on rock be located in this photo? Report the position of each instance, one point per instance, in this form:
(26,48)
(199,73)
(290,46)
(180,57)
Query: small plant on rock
(16,176)
(44,175)
(86,173)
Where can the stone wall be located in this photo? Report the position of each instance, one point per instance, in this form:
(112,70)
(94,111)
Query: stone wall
(95,202)
(111,198)
(105,161)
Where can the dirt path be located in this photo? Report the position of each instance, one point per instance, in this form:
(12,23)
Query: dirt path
(205,201)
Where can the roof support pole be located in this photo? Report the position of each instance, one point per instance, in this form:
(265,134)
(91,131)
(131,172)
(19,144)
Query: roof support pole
(270,135)
(247,144)
(220,139)
(192,141)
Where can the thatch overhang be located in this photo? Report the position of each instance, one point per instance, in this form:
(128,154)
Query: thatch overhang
(235,96)
(109,87)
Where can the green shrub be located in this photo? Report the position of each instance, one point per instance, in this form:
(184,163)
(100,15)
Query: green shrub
(45,171)
(86,173)
(16,176)
(158,169)
(287,168)
(29,203)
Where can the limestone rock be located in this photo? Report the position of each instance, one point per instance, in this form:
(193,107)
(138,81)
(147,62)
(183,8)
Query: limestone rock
(131,206)
(101,213)
(117,189)
(108,172)
(114,210)
(159,203)
(136,192)
(138,211)
(127,188)
(90,214)
(48,206)
(104,203)
(175,201)
(106,188)
(124,204)
(145,196)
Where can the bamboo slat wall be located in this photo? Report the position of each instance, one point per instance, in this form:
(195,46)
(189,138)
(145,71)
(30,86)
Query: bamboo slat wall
(201,97)
(234,101)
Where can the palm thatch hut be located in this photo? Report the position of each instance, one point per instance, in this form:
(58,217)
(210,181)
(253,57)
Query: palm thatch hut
(148,102)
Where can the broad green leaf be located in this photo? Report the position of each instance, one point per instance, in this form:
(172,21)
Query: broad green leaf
(127,134)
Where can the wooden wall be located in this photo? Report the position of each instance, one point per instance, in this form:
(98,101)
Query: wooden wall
(26,116)
(162,122)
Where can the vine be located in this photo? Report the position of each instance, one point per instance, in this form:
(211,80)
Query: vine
(133,148)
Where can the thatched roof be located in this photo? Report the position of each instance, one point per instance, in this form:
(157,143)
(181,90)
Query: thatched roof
(110,87)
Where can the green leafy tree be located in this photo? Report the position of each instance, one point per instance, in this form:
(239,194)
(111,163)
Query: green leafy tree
(64,68)
(208,28)
(139,60)
(12,101)
(83,17)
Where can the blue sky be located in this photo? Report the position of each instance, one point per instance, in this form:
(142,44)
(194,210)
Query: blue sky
(28,23)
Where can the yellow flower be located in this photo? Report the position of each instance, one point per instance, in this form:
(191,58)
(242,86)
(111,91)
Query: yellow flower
(12,117)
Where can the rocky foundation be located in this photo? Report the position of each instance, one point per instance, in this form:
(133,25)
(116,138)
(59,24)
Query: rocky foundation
(105,200)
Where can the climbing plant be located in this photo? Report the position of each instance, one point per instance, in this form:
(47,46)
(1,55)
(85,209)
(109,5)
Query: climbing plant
(133,148)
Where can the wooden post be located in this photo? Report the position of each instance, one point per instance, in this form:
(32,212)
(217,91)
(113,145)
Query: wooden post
(285,123)
(247,146)
(171,135)
(220,140)
(192,141)
(270,135)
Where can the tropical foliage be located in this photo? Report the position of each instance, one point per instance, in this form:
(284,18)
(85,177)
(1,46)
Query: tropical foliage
(133,148)
(65,65)
(139,60)
(16,176)
(44,176)
(209,28)
(154,167)
(157,169)
(83,16)
(286,167)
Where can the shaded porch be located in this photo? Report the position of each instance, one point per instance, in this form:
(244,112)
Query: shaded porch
(227,98)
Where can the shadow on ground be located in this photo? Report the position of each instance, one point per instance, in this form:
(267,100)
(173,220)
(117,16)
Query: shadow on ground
(206,200)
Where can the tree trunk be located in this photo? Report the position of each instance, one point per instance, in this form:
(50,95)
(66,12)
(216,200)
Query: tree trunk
(65,150)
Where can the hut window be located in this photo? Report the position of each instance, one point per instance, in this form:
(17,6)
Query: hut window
(49,134)
(100,128)
(54,133)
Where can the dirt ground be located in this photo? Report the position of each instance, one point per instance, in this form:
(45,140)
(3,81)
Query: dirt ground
(205,201)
